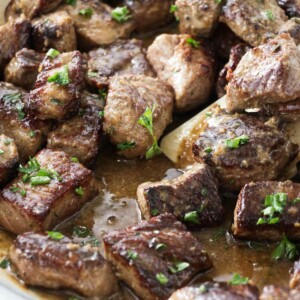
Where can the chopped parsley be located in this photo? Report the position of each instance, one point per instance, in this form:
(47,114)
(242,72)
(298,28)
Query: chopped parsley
(23,193)
(192,217)
(121,14)
(160,246)
(71,2)
(269,14)
(75,159)
(193,43)
(179,266)
(60,77)
(14,189)
(56,102)
(236,142)
(55,235)
(218,1)
(202,289)
(237,279)
(79,191)
(16,100)
(52,53)
(132,255)
(208,114)
(154,212)
(7,141)
(208,150)
(295,201)
(81,231)
(125,146)
(92,74)
(86,12)
(32,133)
(103,93)
(4,263)
(285,250)
(39,180)
(1,151)
(161,278)
(101,113)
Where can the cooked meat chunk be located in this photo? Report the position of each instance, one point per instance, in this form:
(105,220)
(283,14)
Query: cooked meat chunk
(156,257)
(251,222)
(121,58)
(80,136)
(253,21)
(266,74)
(23,68)
(58,87)
(43,261)
(28,132)
(291,7)
(149,14)
(198,17)
(236,54)
(243,148)
(272,292)
(295,276)
(9,158)
(14,35)
(192,197)
(189,69)
(128,98)
(49,189)
(30,8)
(54,30)
(292,27)
(216,291)
(94,24)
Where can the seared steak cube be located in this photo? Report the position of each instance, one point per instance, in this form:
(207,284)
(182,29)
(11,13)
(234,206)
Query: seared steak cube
(196,17)
(273,292)
(121,58)
(156,257)
(192,197)
(41,260)
(243,148)
(58,87)
(22,70)
(49,189)
(9,158)
(129,97)
(216,291)
(254,217)
(295,276)
(28,132)
(253,21)
(80,136)
(54,30)
(267,74)
(189,68)
(14,35)
(292,27)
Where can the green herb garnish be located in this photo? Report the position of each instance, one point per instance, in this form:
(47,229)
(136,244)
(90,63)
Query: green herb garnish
(132,255)
(192,217)
(154,212)
(162,279)
(160,246)
(32,133)
(125,146)
(86,12)
(207,150)
(269,14)
(236,142)
(285,250)
(179,266)
(39,180)
(1,151)
(237,279)
(74,159)
(79,191)
(4,263)
(55,235)
(193,43)
(60,77)
(52,53)
(56,102)
(71,2)
(81,231)
(121,14)
(23,193)
(173,8)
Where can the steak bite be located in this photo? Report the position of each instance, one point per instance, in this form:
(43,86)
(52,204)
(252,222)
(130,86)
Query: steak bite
(80,136)
(196,17)
(243,148)
(58,87)
(273,292)
(120,58)
(295,276)
(189,68)
(217,291)
(291,7)
(265,75)
(156,257)
(49,189)
(129,98)
(28,132)
(54,30)
(62,263)
(267,210)
(192,197)
(22,70)
(253,21)
(9,158)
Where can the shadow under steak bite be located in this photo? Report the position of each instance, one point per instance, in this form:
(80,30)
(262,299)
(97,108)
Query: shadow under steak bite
(49,189)
(217,291)
(156,257)
(40,260)
(188,68)
(254,217)
(192,197)
(253,21)
(198,17)
(128,98)
(58,87)
(28,132)
(120,58)
(243,148)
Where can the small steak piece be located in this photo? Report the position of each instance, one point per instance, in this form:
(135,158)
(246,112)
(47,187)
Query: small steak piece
(128,98)
(192,197)
(253,21)
(243,148)
(198,17)
(80,136)
(121,58)
(295,276)
(14,35)
(189,69)
(94,24)
(58,87)
(291,7)
(273,292)
(217,291)
(149,14)
(265,75)
(54,30)
(43,261)
(156,257)
(251,203)
(292,26)
(28,132)
(30,8)
(9,158)
(48,190)
(23,68)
